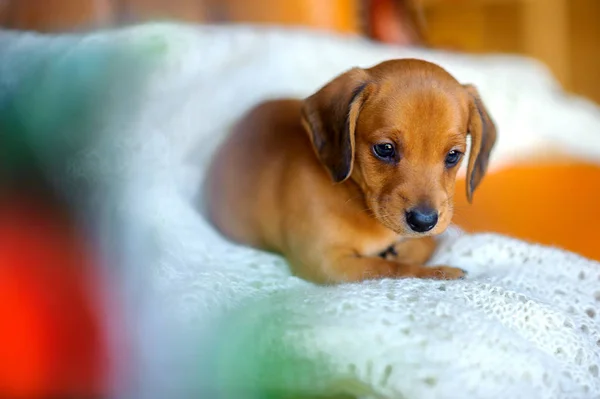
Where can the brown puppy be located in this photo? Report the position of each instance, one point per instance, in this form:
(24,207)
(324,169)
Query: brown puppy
(349,184)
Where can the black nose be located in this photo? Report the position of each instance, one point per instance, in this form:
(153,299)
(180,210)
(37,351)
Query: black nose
(421,219)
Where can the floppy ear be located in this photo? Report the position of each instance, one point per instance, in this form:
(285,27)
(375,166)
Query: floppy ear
(483,138)
(330,116)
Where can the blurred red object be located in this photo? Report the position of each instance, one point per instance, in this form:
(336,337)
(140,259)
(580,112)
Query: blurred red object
(399,22)
(51,341)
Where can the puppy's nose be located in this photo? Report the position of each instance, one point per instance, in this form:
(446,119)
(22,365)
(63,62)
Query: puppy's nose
(422,219)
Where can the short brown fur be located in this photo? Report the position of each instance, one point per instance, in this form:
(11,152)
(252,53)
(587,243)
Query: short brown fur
(301,177)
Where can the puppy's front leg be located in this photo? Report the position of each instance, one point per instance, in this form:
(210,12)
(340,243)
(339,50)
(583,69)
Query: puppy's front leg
(353,268)
(411,250)
(418,251)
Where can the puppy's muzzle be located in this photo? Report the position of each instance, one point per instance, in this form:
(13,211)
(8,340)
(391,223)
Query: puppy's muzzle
(421,219)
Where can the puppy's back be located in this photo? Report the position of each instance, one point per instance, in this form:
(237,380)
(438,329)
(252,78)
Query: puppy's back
(244,183)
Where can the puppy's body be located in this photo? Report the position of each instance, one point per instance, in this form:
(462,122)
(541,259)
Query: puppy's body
(266,176)
(319,195)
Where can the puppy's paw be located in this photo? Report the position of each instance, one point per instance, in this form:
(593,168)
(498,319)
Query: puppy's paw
(443,273)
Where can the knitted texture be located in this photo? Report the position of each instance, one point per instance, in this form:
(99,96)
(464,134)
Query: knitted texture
(125,123)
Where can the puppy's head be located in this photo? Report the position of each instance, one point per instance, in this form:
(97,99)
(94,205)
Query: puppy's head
(399,130)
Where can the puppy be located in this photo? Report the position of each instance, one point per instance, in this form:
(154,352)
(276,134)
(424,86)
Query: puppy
(351,183)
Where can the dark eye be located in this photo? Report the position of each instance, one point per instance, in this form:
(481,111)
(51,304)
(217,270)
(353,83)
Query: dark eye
(385,151)
(452,158)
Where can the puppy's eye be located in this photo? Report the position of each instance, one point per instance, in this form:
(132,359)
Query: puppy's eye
(385,151)
(452,158)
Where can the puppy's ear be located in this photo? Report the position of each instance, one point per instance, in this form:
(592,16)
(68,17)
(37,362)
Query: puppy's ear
(330,116)
(483,138)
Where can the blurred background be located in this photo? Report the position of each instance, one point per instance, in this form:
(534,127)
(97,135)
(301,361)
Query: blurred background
(561,33)
(61,355)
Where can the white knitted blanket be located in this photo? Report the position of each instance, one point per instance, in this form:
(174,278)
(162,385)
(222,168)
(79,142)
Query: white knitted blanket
(125,123)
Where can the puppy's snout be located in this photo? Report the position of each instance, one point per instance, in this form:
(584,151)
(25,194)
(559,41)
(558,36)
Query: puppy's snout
(421,219)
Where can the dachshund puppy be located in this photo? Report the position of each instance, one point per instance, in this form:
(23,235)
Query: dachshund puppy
(351,183)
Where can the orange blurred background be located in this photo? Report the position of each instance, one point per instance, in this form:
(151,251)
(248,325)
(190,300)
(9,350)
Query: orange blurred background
(561,33)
